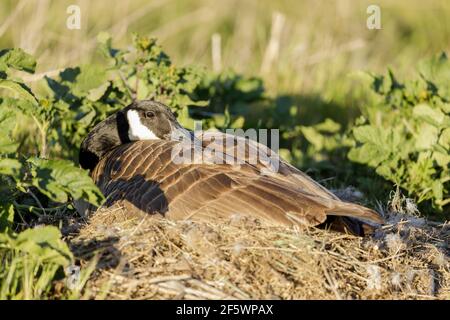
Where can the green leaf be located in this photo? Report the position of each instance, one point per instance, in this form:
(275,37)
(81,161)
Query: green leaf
(21,90)
(59,179)
(368,134)
(44,244)
(367,154)
(7,123)
(384,171)
(18,59)
(431,115)
(438,190)
(96,93)
(437,70)
(10,166)
(444,139)
(427,137)
(90,77)
(445,107)
(329,126)
(6,217)
(7,146)
(314,137)
(442,158)
(105,45)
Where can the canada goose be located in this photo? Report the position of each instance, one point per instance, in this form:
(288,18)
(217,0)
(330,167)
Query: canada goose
(142,175)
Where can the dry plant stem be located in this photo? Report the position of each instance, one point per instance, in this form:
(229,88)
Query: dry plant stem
(216,52)
(273,47)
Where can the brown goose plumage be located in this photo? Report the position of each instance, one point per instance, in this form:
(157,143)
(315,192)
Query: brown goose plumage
(142,176)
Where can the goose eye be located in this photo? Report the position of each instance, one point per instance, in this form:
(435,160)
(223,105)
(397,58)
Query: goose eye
(150,114)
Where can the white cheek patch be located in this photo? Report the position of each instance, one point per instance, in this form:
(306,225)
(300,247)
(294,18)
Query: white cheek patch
(137,131)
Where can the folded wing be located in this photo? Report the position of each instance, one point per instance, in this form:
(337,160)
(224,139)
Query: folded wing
(143,176)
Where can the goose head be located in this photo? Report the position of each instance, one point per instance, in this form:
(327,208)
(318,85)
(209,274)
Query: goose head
(149,120)
(141,120)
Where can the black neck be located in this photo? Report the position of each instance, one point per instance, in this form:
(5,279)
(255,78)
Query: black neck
(122,127)
(104,137)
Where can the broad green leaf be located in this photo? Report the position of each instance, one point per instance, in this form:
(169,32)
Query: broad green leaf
(89,78)
(385,171)
(18,59)
(7,145)
(431,115)
(25,106)
(45,244)
(96,93)
(427,136)
(285,154)
(438,190)
(7,123)
(442,159)
(368,134)
(59,179)
(105,45)
(328,126)
(437,70)
(238,122)
(368,154)
(445,107)
(10,166)
(444,139)
(21,90)
(314,137)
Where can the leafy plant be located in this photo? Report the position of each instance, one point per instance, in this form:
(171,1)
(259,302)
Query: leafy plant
(82,96)
(31,258)
(63,111)
(146,72)
(406,136)
(22,178)
(323,139)
(231,100)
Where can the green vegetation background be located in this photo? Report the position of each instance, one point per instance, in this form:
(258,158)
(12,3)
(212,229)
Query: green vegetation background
(360,107)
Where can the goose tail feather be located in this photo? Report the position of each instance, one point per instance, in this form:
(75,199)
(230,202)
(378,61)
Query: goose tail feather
(352,210)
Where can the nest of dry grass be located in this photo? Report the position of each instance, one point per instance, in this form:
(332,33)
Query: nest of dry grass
(142,257)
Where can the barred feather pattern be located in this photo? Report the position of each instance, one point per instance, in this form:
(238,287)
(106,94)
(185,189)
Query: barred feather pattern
(141,176)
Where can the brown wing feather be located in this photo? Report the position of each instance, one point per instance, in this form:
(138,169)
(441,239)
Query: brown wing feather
(142,176)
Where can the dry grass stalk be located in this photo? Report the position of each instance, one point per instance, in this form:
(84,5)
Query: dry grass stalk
(273,48)
(216,52)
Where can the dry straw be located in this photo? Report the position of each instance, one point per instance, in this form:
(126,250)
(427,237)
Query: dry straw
(142,257)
